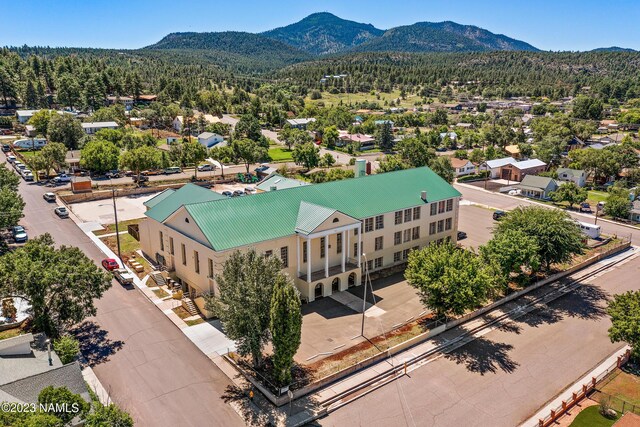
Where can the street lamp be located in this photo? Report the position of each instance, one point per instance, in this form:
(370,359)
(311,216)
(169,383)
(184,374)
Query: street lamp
(115,214)
(364,299)
(48,342)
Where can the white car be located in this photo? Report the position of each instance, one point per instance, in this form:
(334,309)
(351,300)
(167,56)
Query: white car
(206,167)
(62,178)
(514,192)
(62,212)
(11,159)
(49,197)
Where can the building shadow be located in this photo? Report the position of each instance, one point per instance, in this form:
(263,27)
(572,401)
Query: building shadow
(95,346)
(327,308)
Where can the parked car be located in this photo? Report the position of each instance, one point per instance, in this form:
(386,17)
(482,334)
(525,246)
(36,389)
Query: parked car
(140,178)
(110,264)
(152,172)
(462,235)
(49,197)
(62,178)
(227,193)
(497,215)
(172,170)
(6,148)
(19,234)
(206,167)
(123,276)
(28,176)
(585,207)
(600,205)
(25,171)
(62,212)
(237,193)
(261,168)
(249,190)
(19,165)
(11,159)
(113,174)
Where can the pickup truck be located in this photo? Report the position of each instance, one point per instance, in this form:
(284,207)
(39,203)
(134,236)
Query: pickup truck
(123,276)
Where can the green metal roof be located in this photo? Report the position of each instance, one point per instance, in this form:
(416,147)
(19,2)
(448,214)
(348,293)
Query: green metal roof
(188,193)
(159,197)
(310,216)
(280,182)
(239,221)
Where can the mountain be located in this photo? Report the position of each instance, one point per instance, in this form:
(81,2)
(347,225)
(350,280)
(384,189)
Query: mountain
(324,33)
(613,49)
(234,43)
(441,37)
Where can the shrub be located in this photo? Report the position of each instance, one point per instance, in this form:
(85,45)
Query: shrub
(8,309)
(67,348)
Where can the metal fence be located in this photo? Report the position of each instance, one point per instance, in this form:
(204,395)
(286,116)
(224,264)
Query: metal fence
(619,405)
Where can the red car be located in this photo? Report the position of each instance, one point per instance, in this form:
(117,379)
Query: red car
(110,264)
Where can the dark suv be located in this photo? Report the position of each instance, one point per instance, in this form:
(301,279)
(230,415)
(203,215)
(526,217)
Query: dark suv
(497,215)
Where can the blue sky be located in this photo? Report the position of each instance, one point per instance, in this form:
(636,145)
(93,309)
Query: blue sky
(546,24)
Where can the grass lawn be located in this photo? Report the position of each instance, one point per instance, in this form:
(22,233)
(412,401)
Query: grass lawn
(280,154)
(128,245)
(111,228)
(625,386)
(590,417)
(193,322)
(10,333)
(335,99)
(160,293)
(597,196)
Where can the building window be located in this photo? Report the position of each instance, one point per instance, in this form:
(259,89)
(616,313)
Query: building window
(304,251)
(284,256)
(161,241)
(405,254)
(171,246)
(407,235)
(440,226)
(407,215)
(397,237)
(184,254)
(355,250)
(378,263)
(449,205)
(379,222)
(368,225)
(441,206)
(322,243)
(398,217)
(397,256)
(432,229)
(370,265)
(339,243)
(415,233)
(378,243)
(268,253)
(196,261)
(416,213)
(210,268)
(434,209)
(355,231)
(447,224)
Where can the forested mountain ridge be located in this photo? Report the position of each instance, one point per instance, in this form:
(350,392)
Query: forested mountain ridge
(441,37)
(324,33)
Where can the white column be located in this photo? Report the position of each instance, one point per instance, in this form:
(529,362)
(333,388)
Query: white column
(348,242)
(308,259)
(344,252)
(298,254)
(359,245)
(326,256)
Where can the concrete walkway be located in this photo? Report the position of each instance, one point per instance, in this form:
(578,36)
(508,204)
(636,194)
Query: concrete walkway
(354,303)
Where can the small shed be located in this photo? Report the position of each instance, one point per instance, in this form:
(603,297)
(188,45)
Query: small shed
(81,184)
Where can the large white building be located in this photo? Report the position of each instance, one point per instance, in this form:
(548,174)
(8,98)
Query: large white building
(320,232)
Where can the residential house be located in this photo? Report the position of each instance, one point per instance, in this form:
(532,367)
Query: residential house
(635,211)
(72,159)
(494,166)
(209,139)
(577,176)
(575,143)
(384,122)
(300,123)
(451,135)
(178,122)
(518,170)
(463,166)
(92,127)
(30,130)
(513,151)
(127,101)
(538,187)
(465,125)
(147,99)
(366,142)
(24,115)
(27,369)
(278,182)
(321,232)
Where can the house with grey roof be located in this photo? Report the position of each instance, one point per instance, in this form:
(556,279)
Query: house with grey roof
(537,187)
(210,139)
(577,176)
(301,123)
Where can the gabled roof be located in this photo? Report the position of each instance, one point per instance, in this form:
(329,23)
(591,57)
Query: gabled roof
(27,389)
(498,163)
(527,164)
(458,163)
(207,135)
(310,216)
(569,172)
(534,181)
(189,193)
(233,222)
(98,125)
(159,197)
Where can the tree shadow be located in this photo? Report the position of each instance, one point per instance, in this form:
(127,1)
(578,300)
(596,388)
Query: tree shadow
(484,356)
(94,344)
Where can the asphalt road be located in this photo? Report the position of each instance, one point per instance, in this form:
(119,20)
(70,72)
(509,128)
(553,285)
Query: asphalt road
(142,359)
(505,376)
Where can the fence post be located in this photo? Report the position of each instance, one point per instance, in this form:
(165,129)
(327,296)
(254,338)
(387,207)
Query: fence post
(593,381)
(575,397)
(623,402)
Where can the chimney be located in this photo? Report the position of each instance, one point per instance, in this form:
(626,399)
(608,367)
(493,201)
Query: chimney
(273,188)
(423,196)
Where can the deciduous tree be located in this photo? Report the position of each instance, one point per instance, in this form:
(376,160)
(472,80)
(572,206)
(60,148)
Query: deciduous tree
(100,156)
(248,152)
(571,193)
(511,250)
(285,327)
(307,155)
(624,311)
(139,159)
(65,129)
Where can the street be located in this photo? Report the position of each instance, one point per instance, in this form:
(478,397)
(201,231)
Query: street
(503,377)
(145,363)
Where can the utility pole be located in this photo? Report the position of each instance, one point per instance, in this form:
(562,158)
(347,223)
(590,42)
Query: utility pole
(115,214)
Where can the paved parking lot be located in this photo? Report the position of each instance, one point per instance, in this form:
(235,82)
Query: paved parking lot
(101,211)
(477,222)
